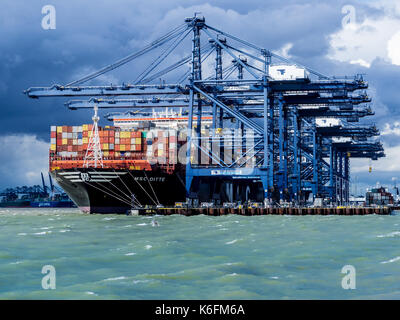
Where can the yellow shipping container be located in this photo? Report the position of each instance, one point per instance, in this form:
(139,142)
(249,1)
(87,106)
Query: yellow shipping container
(85,127)
(122,147)
(138,140)
(124,134)
(105,146)
(89,133)
(106,153)
(59,129)
(64,141)
(85,140)
(53,147)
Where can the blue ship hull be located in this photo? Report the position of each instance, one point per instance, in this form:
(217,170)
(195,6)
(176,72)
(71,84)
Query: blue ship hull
(52,204)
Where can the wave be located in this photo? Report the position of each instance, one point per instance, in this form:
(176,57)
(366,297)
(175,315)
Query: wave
(115,279)
(389,235)
(231,242)
(391,260)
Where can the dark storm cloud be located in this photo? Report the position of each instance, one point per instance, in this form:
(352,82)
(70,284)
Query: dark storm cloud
(91,34)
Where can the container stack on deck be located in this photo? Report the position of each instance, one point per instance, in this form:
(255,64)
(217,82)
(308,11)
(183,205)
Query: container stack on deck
(134,149)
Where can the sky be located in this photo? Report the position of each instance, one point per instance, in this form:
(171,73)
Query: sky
(333,37)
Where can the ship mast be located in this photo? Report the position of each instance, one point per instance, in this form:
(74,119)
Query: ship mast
(94,156)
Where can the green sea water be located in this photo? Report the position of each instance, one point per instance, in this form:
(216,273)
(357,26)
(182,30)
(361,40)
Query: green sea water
(198,257)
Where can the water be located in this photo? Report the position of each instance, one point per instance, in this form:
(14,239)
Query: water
(199,257)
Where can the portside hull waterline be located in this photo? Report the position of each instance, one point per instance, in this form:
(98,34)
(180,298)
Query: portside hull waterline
(117,191)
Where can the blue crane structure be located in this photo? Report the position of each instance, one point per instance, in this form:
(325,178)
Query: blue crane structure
(293,156)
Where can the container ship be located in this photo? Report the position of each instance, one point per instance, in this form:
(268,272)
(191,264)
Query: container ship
(111,169)
(379,196)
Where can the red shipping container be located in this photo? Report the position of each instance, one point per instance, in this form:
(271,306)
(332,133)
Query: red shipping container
(53,134)
(117,147)
(69,129)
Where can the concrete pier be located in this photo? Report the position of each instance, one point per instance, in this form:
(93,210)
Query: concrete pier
(298,211)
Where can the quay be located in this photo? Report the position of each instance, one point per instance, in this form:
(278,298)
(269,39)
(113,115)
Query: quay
(296,211)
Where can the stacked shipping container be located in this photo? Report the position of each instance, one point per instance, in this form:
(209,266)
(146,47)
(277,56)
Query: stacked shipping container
(379,196)
(121,148)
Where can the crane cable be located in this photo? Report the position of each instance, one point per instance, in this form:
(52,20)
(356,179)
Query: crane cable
(160,41)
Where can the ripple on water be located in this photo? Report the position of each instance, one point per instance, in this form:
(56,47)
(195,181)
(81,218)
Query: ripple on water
(391,260)
(115,279)
(389,235)
(231,242)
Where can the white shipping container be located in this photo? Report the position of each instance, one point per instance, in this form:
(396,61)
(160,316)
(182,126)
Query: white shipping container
(80,142)
(327,122)
(69,135)
(64,135)
(287,72)
(53,128)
